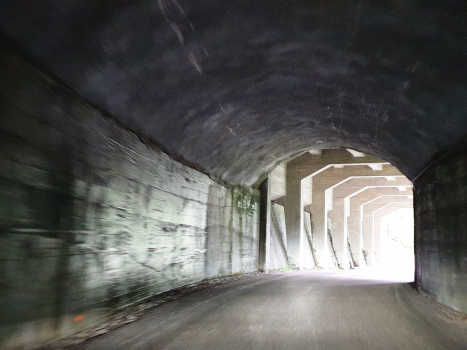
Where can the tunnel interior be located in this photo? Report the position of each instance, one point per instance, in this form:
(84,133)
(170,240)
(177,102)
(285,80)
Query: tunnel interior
(143,144)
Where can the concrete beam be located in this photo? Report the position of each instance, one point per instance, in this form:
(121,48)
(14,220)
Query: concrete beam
(311,164)
(354,217)
(338,209)
(354,186)
(377,218)
(367,210)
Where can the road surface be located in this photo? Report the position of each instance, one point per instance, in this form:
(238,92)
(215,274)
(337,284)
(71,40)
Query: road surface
(357,309)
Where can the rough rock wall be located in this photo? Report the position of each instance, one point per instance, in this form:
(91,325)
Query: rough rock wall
(91,218)
(440,203)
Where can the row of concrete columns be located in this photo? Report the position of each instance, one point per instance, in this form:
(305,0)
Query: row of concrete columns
(349,189)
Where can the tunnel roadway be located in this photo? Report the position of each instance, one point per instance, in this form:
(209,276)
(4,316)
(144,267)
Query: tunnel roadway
(359,309)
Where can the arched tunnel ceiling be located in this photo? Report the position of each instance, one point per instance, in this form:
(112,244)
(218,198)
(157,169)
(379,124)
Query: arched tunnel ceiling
(234,87)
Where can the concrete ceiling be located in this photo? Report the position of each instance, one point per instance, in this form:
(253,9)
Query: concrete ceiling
(234,87)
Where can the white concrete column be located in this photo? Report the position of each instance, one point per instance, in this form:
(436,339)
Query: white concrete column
(319,227)
(294,220)
(367,236)
(339,233)
(354,230)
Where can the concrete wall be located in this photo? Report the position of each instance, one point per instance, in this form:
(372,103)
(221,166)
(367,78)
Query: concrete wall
(440,203)
(92,218)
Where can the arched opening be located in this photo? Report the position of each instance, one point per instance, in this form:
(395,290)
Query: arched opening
(326,208)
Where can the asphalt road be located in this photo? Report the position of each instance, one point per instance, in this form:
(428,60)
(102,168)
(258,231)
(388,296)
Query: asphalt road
(358,309)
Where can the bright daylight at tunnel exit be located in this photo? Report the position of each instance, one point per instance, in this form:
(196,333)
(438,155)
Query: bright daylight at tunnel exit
(331,209)
(267,174)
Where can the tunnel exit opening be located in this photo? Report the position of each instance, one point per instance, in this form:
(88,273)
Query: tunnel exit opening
(337,209)
(397,241)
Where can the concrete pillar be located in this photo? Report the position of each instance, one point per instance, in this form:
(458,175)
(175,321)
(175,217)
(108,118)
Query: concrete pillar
(354,218)
(265,225)
(339,236)
(339,211)
(277,182)
(377,218)
(354,231)
(319,225)
(367,210)
(294,221)
(326,180)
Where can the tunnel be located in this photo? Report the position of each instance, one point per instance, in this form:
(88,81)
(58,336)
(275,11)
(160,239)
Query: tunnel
(151,146)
